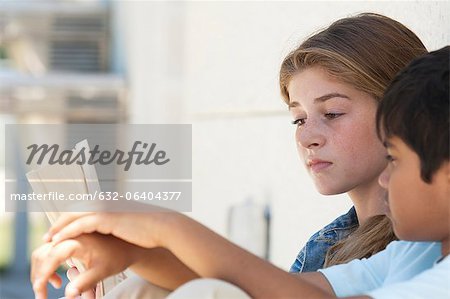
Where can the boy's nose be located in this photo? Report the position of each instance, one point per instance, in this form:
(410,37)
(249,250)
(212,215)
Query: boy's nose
(383,179)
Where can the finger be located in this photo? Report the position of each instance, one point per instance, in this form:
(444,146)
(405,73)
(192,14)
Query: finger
(55,281)
(36,259)
(40,288)
(33,262)
(63,220)
(70,262)
(49,262)
(46,237)
(98,289)
(88,224)
(84,282)
(72,273)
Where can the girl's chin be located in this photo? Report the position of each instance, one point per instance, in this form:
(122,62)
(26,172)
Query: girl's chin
(325,191)
(330,190)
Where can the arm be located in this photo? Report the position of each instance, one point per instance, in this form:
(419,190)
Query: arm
(162,268)
(199,248)
(319,280)
(316,279)
(214,256)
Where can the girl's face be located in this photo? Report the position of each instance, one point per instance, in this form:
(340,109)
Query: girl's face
(335,132)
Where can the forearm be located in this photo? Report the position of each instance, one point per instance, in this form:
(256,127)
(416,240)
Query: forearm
(201,250)
(210,255)
(162,268)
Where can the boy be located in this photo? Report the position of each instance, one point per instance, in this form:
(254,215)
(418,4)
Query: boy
(413,121)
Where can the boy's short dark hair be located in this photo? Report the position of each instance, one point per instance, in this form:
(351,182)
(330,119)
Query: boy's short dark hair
(415,108)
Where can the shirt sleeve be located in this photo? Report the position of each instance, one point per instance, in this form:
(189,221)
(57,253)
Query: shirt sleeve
(359,276)
(432,283)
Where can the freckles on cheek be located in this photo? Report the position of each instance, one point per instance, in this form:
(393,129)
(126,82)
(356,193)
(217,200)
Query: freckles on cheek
(348,157)
(365,141)
(346,145)
(359,148)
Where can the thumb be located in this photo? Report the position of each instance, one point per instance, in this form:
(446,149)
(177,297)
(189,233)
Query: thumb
(72,273)
(83,282)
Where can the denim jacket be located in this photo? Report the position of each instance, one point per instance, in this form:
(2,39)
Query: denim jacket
(312,257)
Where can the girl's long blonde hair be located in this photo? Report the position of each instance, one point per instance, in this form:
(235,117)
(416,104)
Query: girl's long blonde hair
(365,51)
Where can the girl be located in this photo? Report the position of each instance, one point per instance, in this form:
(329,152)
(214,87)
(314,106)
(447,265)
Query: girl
(358,55)
(332,84)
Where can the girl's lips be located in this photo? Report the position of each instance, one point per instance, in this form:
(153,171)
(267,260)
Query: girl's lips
(317,166)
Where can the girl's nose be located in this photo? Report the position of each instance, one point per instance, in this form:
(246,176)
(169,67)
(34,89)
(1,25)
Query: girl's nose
(310,137)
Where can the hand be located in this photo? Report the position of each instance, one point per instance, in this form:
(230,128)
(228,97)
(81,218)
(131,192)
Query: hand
(72,273)
(142,229)
(95,251)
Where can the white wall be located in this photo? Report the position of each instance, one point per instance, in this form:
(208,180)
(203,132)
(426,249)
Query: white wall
(215,65)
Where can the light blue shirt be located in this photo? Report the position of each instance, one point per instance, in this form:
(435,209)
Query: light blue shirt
(403,270)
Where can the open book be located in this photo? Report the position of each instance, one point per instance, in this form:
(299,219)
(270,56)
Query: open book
(77,179)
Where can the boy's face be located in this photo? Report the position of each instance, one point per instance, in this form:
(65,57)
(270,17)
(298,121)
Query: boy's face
(419,211)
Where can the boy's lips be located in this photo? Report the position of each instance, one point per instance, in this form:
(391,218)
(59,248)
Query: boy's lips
(317,165)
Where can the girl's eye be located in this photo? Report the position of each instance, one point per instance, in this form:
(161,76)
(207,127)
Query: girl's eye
(333,115)
(299,122)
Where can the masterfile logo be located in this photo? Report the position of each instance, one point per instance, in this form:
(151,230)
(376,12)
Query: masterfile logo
(148,155)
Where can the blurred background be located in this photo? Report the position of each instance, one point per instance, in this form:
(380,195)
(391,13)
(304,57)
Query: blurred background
(210,64)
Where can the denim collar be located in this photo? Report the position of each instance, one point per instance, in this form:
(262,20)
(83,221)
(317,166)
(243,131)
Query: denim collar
(344,222)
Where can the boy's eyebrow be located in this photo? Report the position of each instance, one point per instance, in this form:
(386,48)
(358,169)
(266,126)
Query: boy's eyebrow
(321,99)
